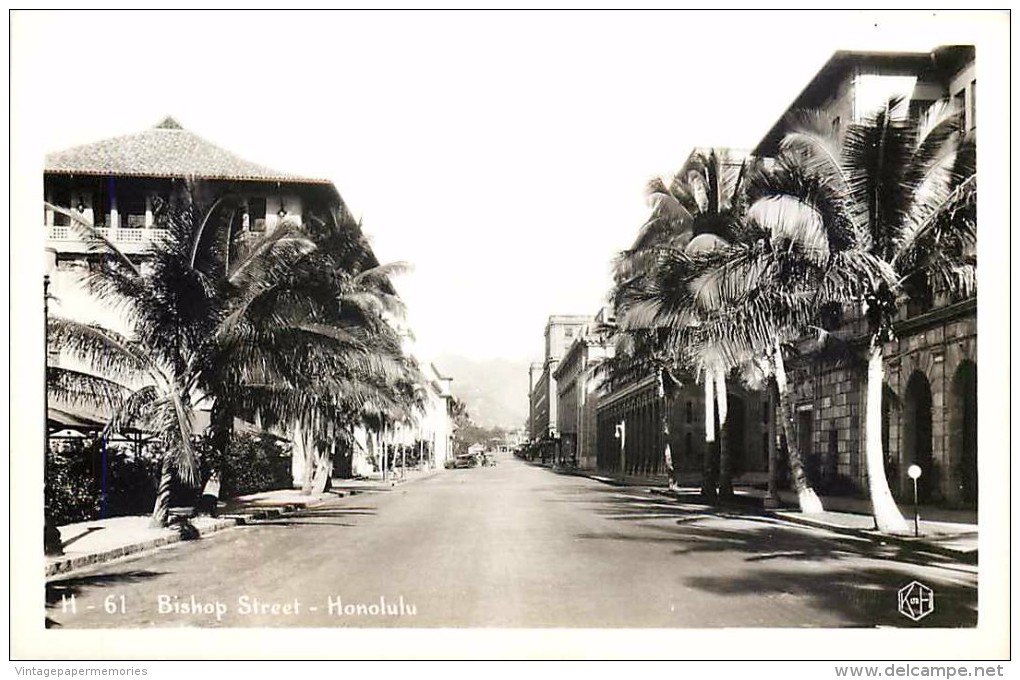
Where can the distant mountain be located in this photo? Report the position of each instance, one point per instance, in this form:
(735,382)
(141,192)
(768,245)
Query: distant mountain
(495,391)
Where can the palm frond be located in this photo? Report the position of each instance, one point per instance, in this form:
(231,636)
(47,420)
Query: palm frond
(96,241)
(104,351)
(82,389)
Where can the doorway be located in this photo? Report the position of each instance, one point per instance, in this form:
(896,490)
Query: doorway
(963,433)
(917,435)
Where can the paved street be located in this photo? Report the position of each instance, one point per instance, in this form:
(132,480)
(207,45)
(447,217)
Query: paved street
(514,546)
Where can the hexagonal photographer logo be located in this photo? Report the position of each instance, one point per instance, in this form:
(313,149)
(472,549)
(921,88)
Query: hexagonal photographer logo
(916,600)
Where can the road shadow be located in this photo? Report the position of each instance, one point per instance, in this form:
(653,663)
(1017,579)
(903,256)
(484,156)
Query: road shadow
(762,537)
(59,592)
(869,597)
(319,517)
(791,561)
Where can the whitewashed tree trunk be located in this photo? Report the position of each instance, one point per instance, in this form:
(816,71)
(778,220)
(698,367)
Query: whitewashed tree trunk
(806,496)
(887,514)
(303,435)
(709,408)
(725,455)
(710,469)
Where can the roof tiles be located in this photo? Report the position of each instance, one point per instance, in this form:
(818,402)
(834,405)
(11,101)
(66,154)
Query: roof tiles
(167,150)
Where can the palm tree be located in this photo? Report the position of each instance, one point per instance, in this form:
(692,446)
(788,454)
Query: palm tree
(698,212)
(760,292)
(349,296)
(215,316)
(906,191)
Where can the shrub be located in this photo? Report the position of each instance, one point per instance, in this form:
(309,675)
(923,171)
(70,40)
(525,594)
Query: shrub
(73,493)
(252,463)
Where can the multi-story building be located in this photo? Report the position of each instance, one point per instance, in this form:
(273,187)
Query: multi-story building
(116,184)
(560,331)
(930,395)
(930,403)
(534,373)
(631,435)
(577,392)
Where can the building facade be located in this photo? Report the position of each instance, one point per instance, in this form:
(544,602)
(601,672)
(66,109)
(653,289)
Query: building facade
(535,429)
(560,332)
(577,392)
(118,184)
(930,394)
(632,434)
(929,405)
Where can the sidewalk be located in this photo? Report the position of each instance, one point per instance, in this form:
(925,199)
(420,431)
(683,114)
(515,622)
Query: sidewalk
(946,532)
(103,540)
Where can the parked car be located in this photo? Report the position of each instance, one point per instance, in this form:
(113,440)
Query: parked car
(465,460)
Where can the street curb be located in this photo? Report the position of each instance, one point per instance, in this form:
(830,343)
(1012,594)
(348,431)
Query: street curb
(227,520)
(69,564)
(965,556)
(399,482)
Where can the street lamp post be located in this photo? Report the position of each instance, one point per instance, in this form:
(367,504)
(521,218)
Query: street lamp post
(914,471)
(621,434)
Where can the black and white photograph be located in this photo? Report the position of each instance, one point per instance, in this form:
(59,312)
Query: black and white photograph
(510,335)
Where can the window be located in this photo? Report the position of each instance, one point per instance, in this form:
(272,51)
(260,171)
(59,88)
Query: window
(972,112)
(61,198)
(100,207)
(257,214)
(960,104)
(132,211)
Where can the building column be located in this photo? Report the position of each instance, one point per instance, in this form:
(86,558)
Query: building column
(114,213)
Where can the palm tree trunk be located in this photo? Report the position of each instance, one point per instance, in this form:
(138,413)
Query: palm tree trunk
(725,455)
(772,495)
(710,476)
(308,452)
(806,496)
(887,515)
(323,471)
(667,453)
(161,511)
(222,431)
(324,461)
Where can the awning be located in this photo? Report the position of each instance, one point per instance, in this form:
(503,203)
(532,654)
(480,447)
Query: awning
(63,419)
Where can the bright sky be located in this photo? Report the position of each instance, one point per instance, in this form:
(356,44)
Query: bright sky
(505,155)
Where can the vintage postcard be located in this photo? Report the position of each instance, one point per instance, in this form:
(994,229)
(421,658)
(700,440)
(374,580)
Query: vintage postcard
(509,334)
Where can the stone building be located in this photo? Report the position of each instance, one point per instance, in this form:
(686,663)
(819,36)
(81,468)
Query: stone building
(930,395)
(535,431)
(577,393)
(560,331)
(635,412)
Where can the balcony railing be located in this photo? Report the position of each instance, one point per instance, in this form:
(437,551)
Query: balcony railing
(132,237)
